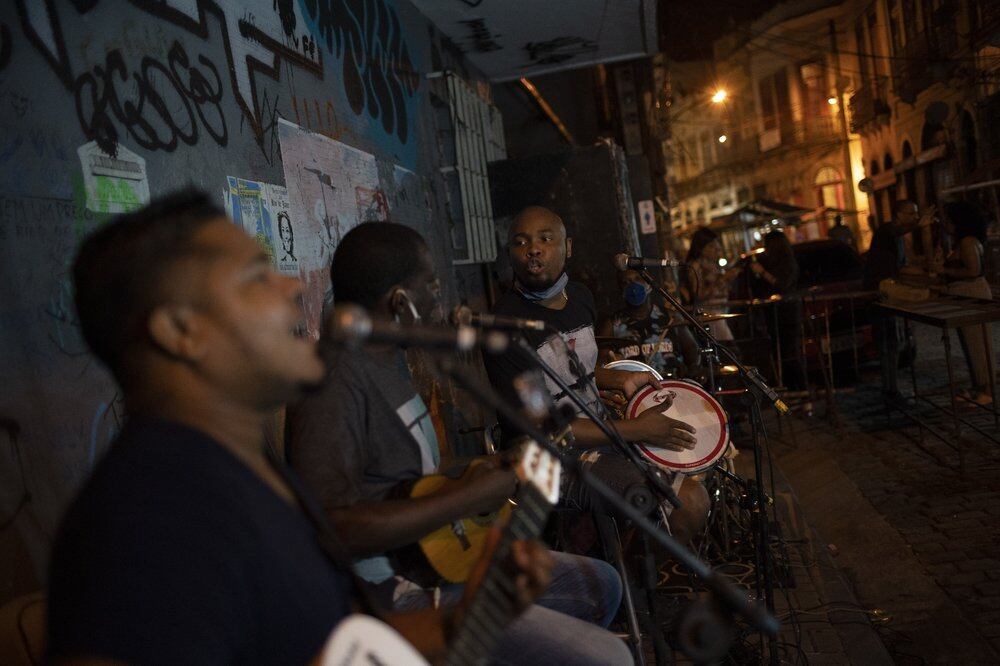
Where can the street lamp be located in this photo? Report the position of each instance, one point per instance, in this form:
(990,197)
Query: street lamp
(723,138)
(719,96)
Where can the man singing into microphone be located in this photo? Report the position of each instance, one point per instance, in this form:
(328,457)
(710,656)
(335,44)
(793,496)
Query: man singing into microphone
(538,247)
(189,544)
(367,431)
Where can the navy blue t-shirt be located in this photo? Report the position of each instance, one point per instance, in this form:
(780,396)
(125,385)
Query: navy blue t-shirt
(175,552)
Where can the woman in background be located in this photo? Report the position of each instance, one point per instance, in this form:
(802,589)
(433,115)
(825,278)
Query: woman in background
(964,272)
(778,273)
(709,281)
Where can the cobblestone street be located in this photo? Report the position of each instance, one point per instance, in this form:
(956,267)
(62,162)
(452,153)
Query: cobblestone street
(914,534)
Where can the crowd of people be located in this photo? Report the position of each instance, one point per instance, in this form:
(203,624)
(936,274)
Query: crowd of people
(194,541)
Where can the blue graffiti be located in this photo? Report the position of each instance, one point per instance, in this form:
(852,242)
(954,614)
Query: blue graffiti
(378,74)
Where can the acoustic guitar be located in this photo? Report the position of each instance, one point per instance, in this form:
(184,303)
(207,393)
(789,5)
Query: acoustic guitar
(449,553)
(361,640)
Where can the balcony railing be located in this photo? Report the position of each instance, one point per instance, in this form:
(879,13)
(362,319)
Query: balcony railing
(818,128)
(869,105)
(986,24)
(925,60)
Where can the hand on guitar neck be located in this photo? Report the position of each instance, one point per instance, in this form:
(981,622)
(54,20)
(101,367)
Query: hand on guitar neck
(528,565)
(423,636)
(511,571)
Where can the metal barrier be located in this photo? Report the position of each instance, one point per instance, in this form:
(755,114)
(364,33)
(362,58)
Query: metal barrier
(813,332)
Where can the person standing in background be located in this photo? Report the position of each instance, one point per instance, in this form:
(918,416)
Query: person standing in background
(707,280)
(778,273)
(841,232)
(965,274)
(884,260)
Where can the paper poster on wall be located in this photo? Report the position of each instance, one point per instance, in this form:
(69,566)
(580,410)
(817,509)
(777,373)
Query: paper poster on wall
(332,188)
(113,184)
(647,216)
(261,210)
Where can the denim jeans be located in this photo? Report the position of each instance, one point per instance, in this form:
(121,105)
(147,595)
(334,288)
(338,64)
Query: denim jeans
(566,624)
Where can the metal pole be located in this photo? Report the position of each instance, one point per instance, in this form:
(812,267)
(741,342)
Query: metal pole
(849,201)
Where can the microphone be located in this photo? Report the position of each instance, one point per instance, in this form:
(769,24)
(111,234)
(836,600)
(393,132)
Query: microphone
(351,326)
(463,315)
(623,261)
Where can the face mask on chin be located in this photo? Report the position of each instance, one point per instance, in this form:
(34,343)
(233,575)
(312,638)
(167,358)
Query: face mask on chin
(542,294)
(635,293)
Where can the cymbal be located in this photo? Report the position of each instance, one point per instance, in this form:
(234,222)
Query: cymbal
(708,318)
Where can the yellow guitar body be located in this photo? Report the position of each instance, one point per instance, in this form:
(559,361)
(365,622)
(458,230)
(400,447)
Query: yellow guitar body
(454,549)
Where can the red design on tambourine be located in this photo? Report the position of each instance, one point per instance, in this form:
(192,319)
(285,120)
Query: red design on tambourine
(693,405)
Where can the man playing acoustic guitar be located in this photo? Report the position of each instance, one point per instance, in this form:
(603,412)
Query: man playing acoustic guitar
(189,544)
(367,431)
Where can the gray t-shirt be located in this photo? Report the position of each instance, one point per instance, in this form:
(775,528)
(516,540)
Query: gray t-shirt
(365,432)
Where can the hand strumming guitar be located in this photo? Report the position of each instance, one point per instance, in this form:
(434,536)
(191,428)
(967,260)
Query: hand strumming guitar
(484,487)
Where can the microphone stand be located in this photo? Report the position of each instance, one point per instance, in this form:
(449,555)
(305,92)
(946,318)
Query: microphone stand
(734,600)
(656,477)
(757,388)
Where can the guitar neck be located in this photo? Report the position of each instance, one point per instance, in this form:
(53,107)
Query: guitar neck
(494,605)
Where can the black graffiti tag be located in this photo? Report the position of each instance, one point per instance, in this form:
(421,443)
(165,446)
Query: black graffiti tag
(378,74)
(161,105)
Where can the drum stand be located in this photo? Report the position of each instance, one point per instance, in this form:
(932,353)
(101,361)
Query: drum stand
(756,388)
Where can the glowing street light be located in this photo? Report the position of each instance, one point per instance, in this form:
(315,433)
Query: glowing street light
(719,96)
(832,101)
(723,138)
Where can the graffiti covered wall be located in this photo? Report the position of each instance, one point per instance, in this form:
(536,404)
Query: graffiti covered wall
(105,103)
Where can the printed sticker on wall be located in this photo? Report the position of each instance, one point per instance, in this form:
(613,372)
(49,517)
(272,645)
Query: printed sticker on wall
(261,210)
(647,217)
(115,184)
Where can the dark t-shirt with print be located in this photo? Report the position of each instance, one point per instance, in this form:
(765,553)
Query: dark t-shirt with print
(575,323)
(364,433)
(175,552)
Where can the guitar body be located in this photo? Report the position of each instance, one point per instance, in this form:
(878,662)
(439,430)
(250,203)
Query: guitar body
(448,553)
(361,640)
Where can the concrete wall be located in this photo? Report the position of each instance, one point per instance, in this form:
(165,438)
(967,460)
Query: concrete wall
(194,87)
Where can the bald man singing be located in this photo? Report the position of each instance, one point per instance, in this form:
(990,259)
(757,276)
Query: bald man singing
(538,247)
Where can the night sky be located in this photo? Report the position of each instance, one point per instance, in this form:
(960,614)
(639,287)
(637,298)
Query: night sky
(688,27)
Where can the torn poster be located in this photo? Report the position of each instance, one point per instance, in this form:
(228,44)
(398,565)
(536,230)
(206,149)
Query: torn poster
(113,184)
(332,188)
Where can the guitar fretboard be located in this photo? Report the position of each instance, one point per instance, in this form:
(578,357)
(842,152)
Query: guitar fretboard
(494,605)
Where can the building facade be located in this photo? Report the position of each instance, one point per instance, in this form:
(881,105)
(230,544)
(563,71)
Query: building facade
(840,107)
(925,100)
(765,120)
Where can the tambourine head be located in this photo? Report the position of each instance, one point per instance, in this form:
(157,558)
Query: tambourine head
(694,406)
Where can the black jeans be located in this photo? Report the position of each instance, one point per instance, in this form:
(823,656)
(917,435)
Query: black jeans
(885,330)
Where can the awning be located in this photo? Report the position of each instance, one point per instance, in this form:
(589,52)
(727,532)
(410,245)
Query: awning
(929,155)
(880,181)
(971,186)
(508,39)
(755,212)
(824,211)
